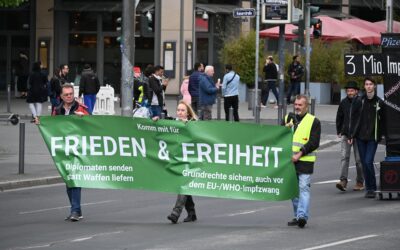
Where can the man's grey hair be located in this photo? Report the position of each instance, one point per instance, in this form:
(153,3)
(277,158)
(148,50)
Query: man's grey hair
(208,68)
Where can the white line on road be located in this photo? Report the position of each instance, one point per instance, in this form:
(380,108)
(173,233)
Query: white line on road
(341,242)
(326,182)
(52,244)
(33,187)
(243,212)
(57,208)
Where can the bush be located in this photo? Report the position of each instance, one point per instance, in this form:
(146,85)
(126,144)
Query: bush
(240,52)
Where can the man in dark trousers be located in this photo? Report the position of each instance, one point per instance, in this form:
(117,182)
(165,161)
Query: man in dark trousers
(69,106)
(347,108)
(295,72)
(271,75)
(89,86)
(230,92)
(194,81)
(368,131)
(306,130)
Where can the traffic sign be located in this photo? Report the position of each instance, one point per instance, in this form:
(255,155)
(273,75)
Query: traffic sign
(244,12)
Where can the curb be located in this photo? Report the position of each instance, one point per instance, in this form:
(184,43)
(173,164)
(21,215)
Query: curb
(8,185)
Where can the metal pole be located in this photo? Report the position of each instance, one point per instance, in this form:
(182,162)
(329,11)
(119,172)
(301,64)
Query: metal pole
(181,43)
(312,106)
(307,24)
(194,34)
(281,45)
(128,56)
(218,106)
(258,110)
(256,64)
(8,98)
(21,164)
(389,16)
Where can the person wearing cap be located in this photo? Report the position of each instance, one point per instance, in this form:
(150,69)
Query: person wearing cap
(89,86)
(347,108)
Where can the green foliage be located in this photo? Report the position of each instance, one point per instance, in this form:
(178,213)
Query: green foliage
(11,3)
(240,52)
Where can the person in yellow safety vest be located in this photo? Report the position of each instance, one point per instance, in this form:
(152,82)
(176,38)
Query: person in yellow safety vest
(306,130)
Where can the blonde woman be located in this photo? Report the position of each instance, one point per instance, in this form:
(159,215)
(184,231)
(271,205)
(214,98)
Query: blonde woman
(184,113)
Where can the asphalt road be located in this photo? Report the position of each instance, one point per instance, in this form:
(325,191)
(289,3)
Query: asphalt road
(32,218)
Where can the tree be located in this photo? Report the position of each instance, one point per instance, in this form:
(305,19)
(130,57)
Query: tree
(240,52)
(11,3)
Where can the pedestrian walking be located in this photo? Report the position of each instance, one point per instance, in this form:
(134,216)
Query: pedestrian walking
(186,97)
(230,92)
(306,137)
(207,93)
(184,113)
(368,131)
(89,86)
(347,109)
(22,71)
(295,72)
(37,90)
(271,75)
(69,106)
(194,82)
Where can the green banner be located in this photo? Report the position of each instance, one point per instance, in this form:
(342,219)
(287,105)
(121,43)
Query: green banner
(216,159)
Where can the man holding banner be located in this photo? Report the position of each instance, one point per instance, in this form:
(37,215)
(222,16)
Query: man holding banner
(69,106)
(306,130)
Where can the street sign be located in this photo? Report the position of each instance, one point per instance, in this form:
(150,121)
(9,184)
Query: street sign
(244,12)
(371,64)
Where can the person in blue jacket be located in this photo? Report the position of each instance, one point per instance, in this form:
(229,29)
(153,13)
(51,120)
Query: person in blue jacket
(207,93)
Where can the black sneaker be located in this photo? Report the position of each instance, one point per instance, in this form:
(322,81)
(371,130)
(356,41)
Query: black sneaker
(302,222)
(173,218)
(370,194)
(80,216)
(74,217)
(191,217)
(293,222)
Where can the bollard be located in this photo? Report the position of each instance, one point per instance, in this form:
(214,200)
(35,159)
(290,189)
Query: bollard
(162,115)
(21,148)
(218,107)
(284,110)
(313,106)
(231,114)
(257,115)
(8,98)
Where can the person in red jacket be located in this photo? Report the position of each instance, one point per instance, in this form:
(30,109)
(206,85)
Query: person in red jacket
(69,106)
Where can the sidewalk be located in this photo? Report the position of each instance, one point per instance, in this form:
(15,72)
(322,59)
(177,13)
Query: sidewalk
(39,168)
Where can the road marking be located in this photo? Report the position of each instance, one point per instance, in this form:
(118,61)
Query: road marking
(243,212)
(327,182)
(341,242)
(53,243)
(58,208)
(33,187)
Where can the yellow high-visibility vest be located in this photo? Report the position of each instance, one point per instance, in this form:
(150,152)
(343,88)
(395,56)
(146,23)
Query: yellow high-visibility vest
(302,135)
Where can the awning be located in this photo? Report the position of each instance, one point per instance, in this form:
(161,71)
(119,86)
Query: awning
(217,8)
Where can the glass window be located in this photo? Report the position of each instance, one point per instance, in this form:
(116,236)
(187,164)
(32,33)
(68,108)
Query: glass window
(83,21)
(112,63)
(82,50)
(14,20)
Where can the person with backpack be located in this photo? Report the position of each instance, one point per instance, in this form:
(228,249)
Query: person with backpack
(89,86)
